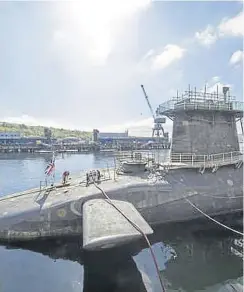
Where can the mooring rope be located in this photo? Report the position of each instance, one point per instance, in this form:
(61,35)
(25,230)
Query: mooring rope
(221,197)
(199,210)
(138,229)
(217,197)
(217,222)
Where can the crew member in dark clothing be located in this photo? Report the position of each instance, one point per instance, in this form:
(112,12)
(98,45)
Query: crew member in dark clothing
(65,177)
(98,175)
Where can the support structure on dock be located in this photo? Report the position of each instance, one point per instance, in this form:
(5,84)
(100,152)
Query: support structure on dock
(158,129)
(204,123)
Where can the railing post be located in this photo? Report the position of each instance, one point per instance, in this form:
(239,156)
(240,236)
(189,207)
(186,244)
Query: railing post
(223,157)
(192,159)
(231,157)
(180,157)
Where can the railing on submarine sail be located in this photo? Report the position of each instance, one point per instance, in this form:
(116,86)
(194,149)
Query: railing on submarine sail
(207,160)
(196,104)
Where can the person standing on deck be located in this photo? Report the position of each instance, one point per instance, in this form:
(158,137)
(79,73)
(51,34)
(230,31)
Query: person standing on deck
(65,177)
(98,175)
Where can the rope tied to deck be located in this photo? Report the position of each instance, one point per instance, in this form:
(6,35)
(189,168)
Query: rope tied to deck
(206,215)
(138,229)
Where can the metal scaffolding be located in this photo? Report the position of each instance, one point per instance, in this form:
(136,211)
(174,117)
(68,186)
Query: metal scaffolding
(201,100)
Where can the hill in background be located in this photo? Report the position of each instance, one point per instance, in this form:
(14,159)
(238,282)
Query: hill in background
(39,131)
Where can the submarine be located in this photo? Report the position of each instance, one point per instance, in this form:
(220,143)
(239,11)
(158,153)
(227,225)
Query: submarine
(204,172)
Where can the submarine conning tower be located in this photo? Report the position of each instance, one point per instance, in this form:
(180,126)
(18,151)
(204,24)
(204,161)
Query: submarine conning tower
(204,124)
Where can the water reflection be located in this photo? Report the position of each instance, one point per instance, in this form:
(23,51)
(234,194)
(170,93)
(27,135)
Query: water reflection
(113,270)
(201,263)
(188,262)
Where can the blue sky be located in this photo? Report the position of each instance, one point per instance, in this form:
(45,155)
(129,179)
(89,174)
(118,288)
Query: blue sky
(80,64)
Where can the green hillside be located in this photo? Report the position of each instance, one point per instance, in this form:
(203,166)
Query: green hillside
(28,131)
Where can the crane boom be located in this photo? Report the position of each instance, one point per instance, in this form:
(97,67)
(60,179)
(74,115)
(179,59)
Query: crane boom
(157,128)
(148,102)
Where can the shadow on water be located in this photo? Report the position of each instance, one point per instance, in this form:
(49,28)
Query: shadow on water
(189,260)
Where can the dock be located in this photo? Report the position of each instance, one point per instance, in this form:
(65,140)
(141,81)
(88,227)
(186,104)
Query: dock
(75,148)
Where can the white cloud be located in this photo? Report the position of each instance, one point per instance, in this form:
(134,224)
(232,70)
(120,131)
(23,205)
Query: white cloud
(169,55)
(59,35)
(215,85)
(98,27)
(149,54)
(236,58)
(207,37)
(215,79)
(31,121)
(155,60)
(140,127)
(232,26)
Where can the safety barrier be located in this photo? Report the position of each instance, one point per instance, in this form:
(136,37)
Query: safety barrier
(135,156)
(207,160)
(196,105)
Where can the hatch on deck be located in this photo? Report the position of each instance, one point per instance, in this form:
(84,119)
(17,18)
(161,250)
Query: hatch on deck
(133,166)
(104,227)
(134,162)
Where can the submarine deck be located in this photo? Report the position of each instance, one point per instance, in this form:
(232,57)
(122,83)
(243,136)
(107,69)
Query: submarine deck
(42,198)
(51,196)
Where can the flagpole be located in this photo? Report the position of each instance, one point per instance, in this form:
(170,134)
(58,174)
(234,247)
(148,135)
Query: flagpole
(54,171)
(53,159)
(50,169)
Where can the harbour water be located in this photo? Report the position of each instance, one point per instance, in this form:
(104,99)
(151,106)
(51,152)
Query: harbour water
(190,260)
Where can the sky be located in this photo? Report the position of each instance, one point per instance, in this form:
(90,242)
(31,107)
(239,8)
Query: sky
(79,64)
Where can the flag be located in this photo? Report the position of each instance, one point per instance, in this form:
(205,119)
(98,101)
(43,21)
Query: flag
(50,167)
